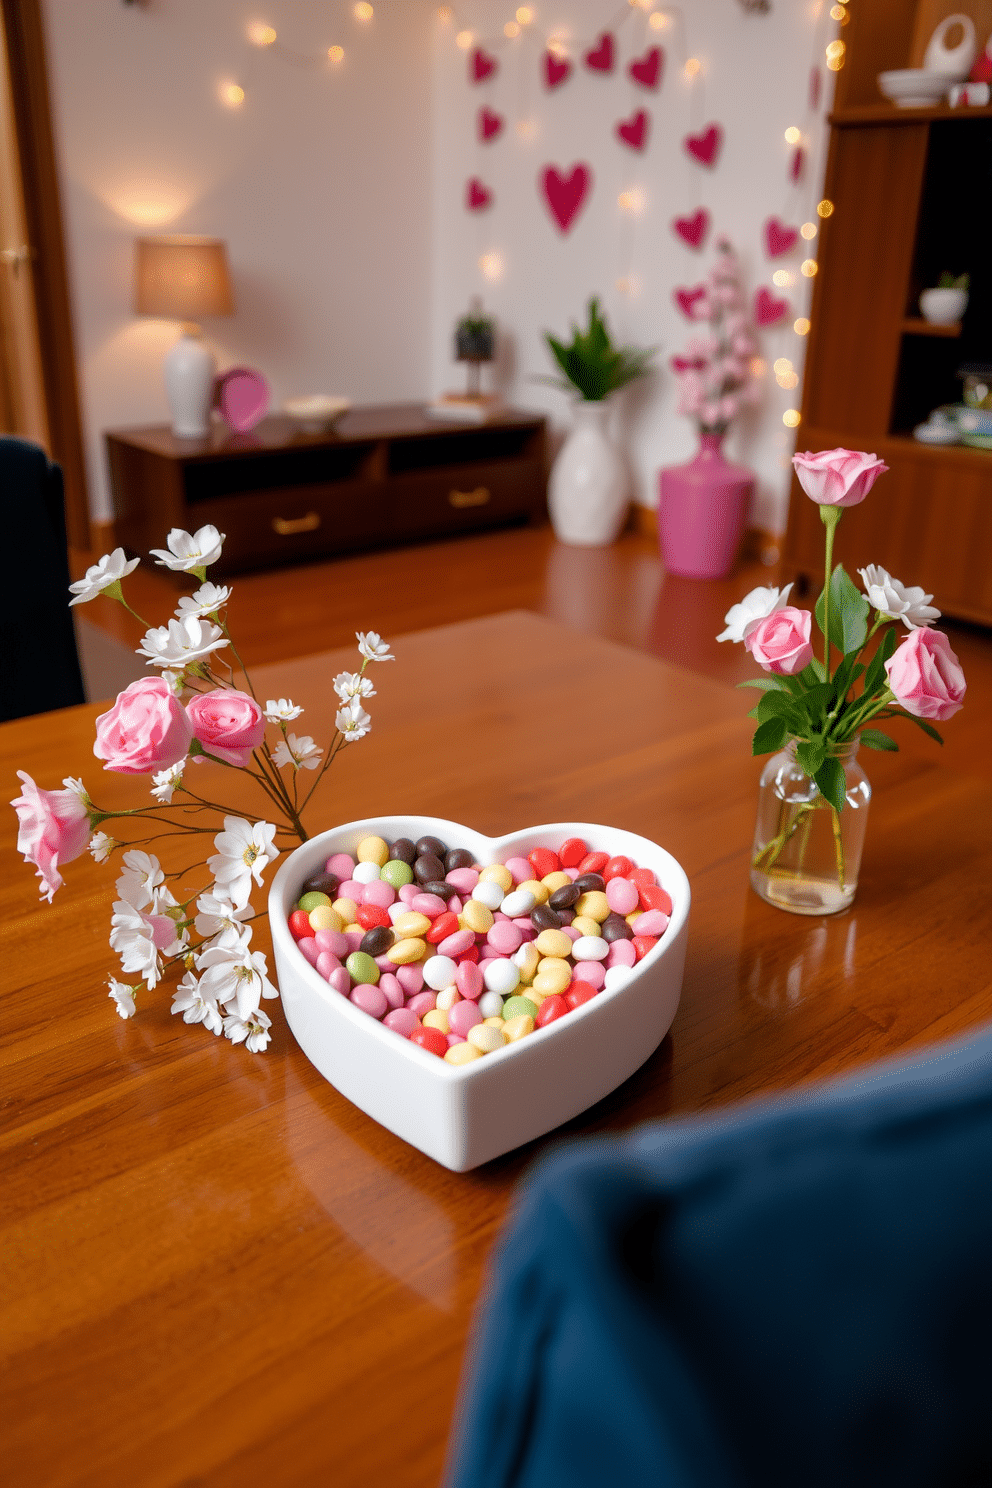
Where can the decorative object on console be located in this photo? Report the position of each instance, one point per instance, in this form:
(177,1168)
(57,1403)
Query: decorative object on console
(913,87)
(186,279)
(955,62)
(317,413)
(588,489)
(242,395)
(813,796)
(947,302)
(475,343)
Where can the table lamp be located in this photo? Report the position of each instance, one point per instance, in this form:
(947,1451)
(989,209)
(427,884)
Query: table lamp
(185,278)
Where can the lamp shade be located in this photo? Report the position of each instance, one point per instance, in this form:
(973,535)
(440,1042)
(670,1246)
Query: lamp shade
(182,278)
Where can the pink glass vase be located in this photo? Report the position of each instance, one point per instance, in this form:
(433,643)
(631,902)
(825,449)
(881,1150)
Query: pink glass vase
(701,512)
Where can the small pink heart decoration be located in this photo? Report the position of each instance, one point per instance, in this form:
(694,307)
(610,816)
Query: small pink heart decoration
(600,58)
(686,299)
(476,195)
(767,309)
(687,364)
(779,238)
(706,146)
(693,230)
(646,70)
(481,65)
(490,124)
(814,87)
(556,70)
(565,194)
(798,161)
(242,395)
(634,131)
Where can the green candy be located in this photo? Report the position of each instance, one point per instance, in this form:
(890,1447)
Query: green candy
(311,899)
(397,873)
(519,1007)
(361,968)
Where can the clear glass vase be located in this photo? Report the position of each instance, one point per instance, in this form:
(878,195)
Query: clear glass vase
(806,854)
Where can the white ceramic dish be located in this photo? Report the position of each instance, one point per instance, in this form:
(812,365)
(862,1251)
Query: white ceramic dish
(943,306)
(317,413)
(914,87)
(465,1115)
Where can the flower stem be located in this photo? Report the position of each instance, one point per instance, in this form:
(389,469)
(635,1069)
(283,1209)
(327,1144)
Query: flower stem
(829,516)
(772,851)
(838,846)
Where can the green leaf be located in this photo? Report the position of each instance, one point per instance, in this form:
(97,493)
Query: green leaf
(765,684)
(849,611)
(811,753)
(876,667)
(769,736)
(591,364)
(875,739)
(927,728)
(830,781)
(818,699)
(776,705)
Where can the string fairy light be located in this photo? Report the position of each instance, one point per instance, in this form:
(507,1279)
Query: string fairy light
(793,135)
(801,326)
(782,279)
(232,95)
(511,30)
(335,53)
(659,21)
(464,40)
(808,267)
(824,208)
(808,231)
(260,34)
(791,418)
(363,11)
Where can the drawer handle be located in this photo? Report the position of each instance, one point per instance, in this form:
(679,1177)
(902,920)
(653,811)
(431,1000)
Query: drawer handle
(478,497)
(287,526)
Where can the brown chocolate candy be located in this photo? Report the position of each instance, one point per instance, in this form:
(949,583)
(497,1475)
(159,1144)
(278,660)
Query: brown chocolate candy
(431,845)
(428,868)
(543,917)
(403,851)
(615,927)
(565,897)
(376,942)
(588,883)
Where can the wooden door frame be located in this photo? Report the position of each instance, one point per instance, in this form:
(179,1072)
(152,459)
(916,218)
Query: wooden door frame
(25,36)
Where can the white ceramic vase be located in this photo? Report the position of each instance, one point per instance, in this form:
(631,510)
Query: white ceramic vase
(588,491)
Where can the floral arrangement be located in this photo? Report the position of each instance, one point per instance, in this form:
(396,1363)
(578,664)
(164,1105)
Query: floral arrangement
(162,726)
(715,375)
(592,366)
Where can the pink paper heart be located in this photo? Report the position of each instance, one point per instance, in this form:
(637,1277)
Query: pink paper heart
(600,58)
(481,65)
(767,309)
(646,70)
(798,160)
(693,230)
(634,131)
(476,195)
(687,364)
(706,146)
(565,194)
(686,299)
(556,70)
(242,394)
(490,124)
(779,238)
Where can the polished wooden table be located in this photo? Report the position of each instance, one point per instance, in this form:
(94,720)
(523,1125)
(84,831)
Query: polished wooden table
(218,1271)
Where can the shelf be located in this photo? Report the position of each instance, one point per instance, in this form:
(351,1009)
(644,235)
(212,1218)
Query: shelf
(889,113)
(916,326)
(958,454)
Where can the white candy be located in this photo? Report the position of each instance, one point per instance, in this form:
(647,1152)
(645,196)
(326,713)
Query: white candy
(490,1005)
(488,893)
(517,903)
(365,873)
(616,976)
(500,975)
(396,909)
(439,972)
(590,948)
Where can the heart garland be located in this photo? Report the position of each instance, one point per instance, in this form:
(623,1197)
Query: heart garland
(779,238)
(600,58)
(687,299)
(646,70)
(556,70)
(798,161)
(477,196)
(481,65)
(767,309)
(693,230)
(634,131)
(563,194)
(705,147)
(490,124)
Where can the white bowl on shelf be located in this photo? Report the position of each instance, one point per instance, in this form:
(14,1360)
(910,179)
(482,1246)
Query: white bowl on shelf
(914,87)
(943,306)
(464,1115)
(316,413)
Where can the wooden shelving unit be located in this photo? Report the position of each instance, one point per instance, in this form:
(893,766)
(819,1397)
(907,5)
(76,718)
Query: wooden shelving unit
(917,326)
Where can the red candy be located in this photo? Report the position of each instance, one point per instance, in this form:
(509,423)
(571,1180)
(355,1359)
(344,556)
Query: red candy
(642,877)
(369,916)
(299,924)
(431,1039)
(594,862)
(653,896)
(472,954)
(644,943)
(576,995)
(571,852)
(544,861)
(619,867)
(445,925)
(551,1009)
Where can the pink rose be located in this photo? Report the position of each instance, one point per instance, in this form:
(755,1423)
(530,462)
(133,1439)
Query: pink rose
(838,477)
(146,729)
(54,828)
(780,642)
(229,725)
(925,676)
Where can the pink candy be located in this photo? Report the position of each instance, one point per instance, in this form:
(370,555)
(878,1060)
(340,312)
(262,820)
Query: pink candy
(463,879)
(411,978)
(463,1016)
(520,868)
(652,922)
(505,937)
(621,953)
(469,979)
(341,865)
(378,892)
(370,999)
(457,944)
(334,941)
(310,949)
(351,890)
(422,1002)
(430,905)
(402,1020)
(622,896)
(340,980)
(593,972)
(389,986)
(326,963)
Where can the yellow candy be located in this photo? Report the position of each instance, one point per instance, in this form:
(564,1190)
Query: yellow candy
(552,881)
(360,928)
(412,923)
(406,951)
(594,904)
(475,916)
(436,1018)
(586,925)
(490,1023)
(635,914)
(461,1053)
(526,960)
(346,908)
(496,873)
(555,979)
(516,1028)
(553,943)
(373,850)
(325,917)
(541,894)
(447,998)
(487,1040)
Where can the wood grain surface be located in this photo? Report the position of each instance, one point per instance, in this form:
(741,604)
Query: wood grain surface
(218,1271)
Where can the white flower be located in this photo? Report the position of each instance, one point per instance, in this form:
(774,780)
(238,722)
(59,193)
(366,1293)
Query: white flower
(181,641)
(218,915)
(189,1000)
(138,937)
(207,600)
(896,601)
(167,780)
(282,710)
(235,975)
(353,721)
(754,606)
(71,782)
(302,753)
(102,576)
(243,852)
(141,878)
(254,1032)
(373,647)
(123,996)
(174,680)
(101,846)
(350,685)
(186,553)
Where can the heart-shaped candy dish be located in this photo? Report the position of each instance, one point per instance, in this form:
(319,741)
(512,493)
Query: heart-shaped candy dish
(465,1114)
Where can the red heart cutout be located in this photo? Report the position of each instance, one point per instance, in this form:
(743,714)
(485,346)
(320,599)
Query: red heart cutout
(556,69)
(693,230)
(706,146)
(600,59)
(767,309)
(476,195)
(634,131)
(686,299)
(490,124)
(798,160)
(779,238)
(565,194)
(646,70)
(482,65)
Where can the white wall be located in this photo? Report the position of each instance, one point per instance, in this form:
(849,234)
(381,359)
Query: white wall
(320,183)
(754,82)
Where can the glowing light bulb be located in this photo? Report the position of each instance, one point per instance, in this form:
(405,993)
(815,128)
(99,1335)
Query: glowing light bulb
(631,200)
(557,47)
(792,135)
(758,366)
(444,14)
(835,55)
(782,278)
(837,12)
(658,20)
(336,53)
(261,35)
(232,95)
(781,365)
(801,326)
(790,418)
(692,67)
(511,29)
(808,230)
(786,379)
(491,265)
(524,15)
(824,208)
(808,267)
(464,40)
(363,11)
(526,129)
